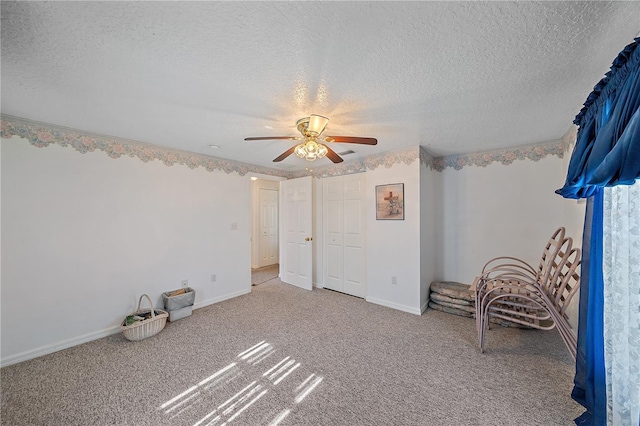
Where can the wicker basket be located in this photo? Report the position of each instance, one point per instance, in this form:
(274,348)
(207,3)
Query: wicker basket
(147,328)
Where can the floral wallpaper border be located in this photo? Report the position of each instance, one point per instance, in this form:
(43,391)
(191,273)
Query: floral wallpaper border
(427,159)
(42,135)
(504,156)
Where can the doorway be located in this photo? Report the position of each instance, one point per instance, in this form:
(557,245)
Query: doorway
(265,246)
(264,274)
(264,220)
(281,228)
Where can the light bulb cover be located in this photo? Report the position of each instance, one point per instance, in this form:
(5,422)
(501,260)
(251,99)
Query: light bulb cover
(322,151)
(317,123)
(312,147)
(300,151)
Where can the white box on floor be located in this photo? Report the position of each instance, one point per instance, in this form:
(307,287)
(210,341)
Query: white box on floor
(177,314)
(185,298)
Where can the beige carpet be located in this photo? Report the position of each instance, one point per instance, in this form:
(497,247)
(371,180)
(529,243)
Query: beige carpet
(318,358)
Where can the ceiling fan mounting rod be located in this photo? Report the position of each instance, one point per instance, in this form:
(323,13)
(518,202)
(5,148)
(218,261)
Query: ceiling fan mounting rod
(302,125)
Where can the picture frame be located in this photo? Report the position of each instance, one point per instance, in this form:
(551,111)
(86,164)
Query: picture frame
(390,201)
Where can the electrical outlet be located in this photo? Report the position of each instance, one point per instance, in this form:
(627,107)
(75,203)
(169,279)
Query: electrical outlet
(394,280)
(185,283)
(214,278)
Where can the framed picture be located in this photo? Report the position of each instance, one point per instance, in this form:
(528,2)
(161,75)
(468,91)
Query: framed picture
(390,201)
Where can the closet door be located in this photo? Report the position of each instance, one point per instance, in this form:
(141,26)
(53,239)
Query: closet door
(343,198)
(333,230)
(353,234)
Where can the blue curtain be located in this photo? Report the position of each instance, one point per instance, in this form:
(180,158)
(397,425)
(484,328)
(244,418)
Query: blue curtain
(589,383)
(607,153)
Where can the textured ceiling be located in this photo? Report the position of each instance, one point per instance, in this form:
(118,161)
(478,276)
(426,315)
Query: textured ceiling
(454,77)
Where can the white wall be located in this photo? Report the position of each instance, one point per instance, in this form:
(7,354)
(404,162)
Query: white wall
(430,218)
(83,236)
(503,210)
(393,246)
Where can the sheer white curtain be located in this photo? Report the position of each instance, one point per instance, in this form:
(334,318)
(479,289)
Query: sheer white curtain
(621,270)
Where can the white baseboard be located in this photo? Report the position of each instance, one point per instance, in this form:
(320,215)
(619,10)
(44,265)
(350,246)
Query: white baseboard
(74,341)
(58,346)
(220,298)
(403,308)
(424,307)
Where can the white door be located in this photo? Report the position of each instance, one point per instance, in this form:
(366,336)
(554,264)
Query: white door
(353,235)
(296,259)
(268,227)
(343,213)
(333,245)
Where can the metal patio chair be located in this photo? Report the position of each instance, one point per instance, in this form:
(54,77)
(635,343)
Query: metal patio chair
(510,289)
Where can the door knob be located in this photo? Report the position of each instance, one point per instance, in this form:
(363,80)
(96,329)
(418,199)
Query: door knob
(309,239)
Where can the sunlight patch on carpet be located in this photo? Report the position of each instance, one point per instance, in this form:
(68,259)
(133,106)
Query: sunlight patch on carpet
(285,377)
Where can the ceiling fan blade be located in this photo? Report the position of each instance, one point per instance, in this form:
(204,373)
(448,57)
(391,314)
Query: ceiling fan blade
(352,139)
(331,155)
(267,138)
(284,154)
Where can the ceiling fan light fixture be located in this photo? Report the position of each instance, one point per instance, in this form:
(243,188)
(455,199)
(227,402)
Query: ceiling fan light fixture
(317,123)
(322,150)
(301,151)
(310,150)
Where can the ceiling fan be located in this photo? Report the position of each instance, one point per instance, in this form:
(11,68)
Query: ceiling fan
(311,128)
